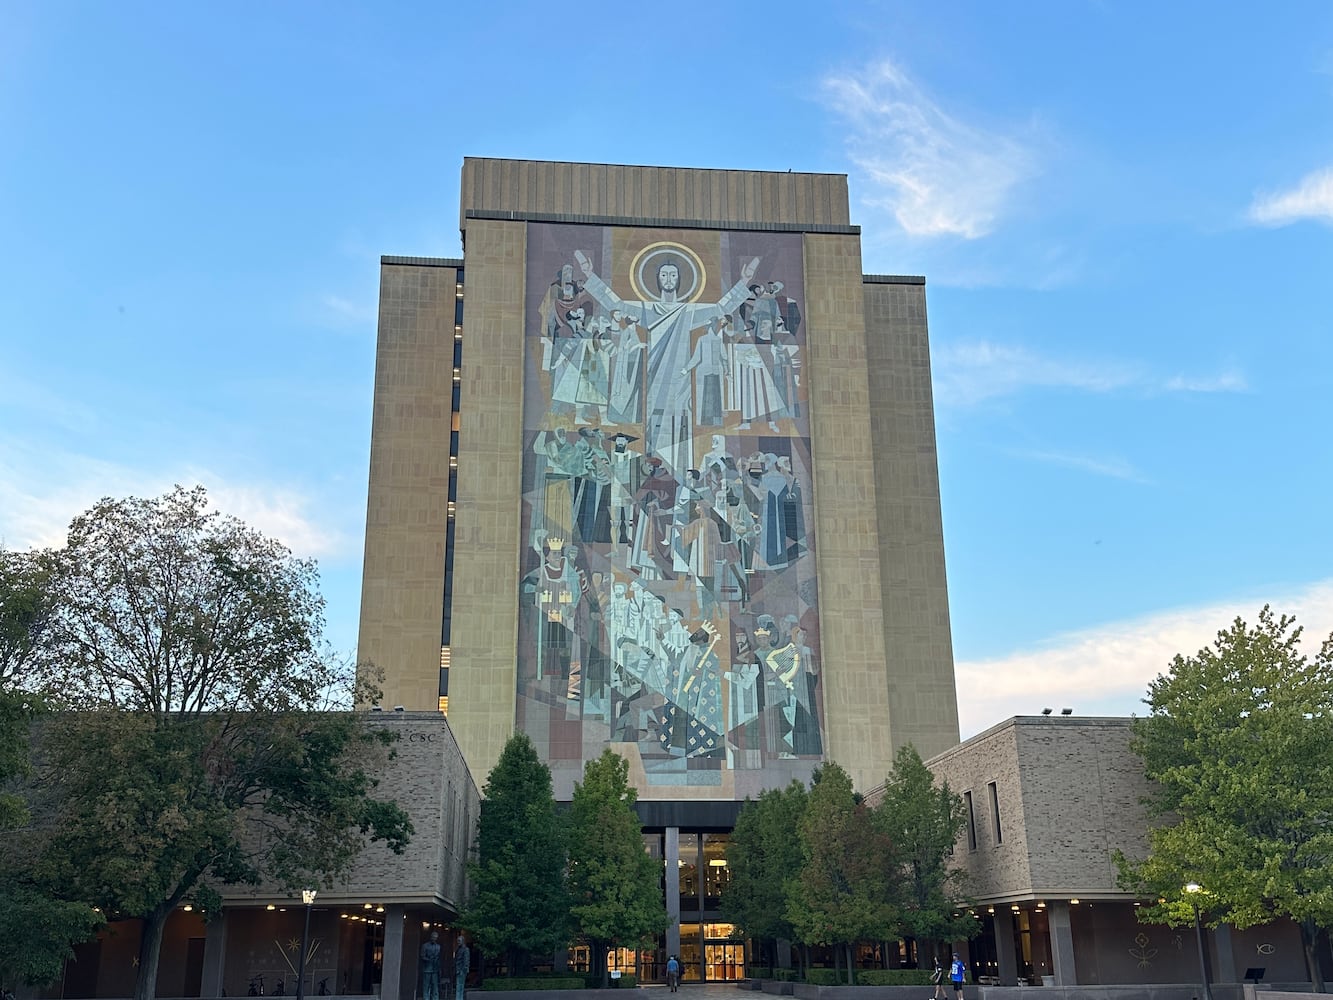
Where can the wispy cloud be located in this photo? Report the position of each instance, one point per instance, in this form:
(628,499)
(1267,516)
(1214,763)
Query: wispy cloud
(1311,198)
(1106,670)
(973,372)
(1113,467)
(937,174)
(344,311)
(41,493)
(1225,382)
(969,373)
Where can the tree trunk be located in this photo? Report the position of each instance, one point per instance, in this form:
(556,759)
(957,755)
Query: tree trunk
(150,952)
(851,965)
(1309,940)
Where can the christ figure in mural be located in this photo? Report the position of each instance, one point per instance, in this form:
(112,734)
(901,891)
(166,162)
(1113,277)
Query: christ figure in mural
(669,321)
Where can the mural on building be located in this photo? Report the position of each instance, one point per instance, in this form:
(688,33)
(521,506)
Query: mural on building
(668,581)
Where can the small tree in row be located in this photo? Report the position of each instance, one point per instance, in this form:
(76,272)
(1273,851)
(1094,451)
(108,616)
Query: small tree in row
(822,867)
(542,877)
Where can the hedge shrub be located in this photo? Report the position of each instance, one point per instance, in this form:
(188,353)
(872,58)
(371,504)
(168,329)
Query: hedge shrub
(494,983)
(869,977)
(893,977)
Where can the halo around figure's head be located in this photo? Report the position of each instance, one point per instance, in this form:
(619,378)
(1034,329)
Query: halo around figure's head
(648,262)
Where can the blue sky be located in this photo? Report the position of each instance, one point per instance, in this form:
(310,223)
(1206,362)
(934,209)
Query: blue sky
(1124,212)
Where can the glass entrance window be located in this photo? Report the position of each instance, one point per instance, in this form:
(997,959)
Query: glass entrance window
(689,874)
(715,871)
(691,952)
(724,961)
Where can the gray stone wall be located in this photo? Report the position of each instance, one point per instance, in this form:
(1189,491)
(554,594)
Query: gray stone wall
(425,775)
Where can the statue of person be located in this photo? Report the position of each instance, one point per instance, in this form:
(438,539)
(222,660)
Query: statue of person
(430,967)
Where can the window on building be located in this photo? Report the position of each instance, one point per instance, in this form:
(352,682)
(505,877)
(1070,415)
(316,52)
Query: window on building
(971,822)
(995,813)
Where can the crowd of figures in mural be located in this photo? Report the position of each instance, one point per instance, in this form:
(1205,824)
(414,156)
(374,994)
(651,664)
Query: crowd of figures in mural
(669,585)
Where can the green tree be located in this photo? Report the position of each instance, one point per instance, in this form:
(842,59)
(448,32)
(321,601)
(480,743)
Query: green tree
(614,886)
(37,932)
(520,905)
(26,608)
(845,891)
(923,821)
(1237,741)
(200,754)
(763,858)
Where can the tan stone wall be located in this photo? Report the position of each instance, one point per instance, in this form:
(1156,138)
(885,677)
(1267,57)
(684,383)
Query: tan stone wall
(923,703)
(1070,794)
(1082,791)
(484,645)
(427,777)
(995,870)
(855,695)
(402,590)
(656,193)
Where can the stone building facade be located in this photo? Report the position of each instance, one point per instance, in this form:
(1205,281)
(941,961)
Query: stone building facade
(1050,799)
(653,467)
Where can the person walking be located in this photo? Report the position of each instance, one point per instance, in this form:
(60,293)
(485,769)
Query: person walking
(957,973)
(462,965)
(673,973)
(937,980)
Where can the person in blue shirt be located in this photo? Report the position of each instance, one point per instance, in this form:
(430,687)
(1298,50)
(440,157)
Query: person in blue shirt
(673,973)
(957,973)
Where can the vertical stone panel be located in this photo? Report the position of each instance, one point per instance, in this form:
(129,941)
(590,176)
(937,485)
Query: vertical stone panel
(922,697)
(486,526)
(402,594)
(856,696)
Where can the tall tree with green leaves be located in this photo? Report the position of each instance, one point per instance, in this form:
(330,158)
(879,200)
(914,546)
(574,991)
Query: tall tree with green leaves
(26,606)
(923,821)
(520,905)
(1239,743)
(199,753)
(763,858)
(37,931)
(615,887)
(846,889)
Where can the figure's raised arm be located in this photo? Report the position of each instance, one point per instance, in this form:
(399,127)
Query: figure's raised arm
(740,291)
(600,290)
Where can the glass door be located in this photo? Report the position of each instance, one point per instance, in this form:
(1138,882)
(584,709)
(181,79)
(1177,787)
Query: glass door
(725,961)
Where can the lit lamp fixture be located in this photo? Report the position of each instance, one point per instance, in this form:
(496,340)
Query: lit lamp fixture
(717,863)
(270,907)
(1074,901)
(1192,890)
(307,897)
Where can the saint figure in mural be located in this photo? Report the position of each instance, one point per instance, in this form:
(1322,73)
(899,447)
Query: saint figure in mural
(669,320)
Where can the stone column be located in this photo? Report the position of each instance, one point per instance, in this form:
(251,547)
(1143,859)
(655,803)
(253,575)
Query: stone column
(215,956)
(391,967)
(1062,944)
(1005,955)
(671,878)
(1225,969)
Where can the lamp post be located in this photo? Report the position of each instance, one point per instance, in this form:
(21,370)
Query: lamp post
(1193,890)
(308,897)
